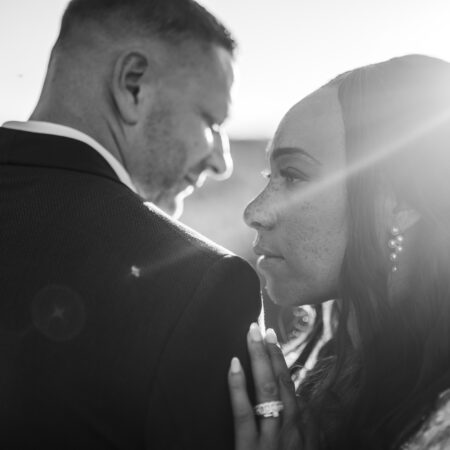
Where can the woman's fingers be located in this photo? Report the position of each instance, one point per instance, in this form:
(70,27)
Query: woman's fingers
(265,383)
(274,387)
(281,371)
(246,433)
(291,439)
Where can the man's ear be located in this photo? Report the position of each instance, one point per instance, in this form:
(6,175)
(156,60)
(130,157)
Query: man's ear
(130,85)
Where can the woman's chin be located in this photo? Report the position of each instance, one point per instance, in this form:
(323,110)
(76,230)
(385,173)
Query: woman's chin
(281,296)
(284,295)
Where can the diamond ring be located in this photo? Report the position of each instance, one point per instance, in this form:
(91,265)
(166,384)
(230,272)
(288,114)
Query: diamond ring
(269,409)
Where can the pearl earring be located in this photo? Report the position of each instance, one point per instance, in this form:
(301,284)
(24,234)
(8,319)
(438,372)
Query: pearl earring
(395,243)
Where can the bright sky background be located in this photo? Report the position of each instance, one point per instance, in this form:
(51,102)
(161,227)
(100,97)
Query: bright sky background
(287,48)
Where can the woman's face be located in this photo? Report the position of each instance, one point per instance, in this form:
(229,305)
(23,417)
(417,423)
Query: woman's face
(300,217)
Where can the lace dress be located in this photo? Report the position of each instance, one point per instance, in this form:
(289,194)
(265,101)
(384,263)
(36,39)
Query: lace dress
(434,434)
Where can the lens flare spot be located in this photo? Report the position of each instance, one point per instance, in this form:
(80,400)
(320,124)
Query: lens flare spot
(135,271)
(58,312)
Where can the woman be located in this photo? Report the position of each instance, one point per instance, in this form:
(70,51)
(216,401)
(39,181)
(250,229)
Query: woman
(357,209)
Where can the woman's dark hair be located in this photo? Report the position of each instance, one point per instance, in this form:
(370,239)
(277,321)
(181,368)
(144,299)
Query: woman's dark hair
(397,135)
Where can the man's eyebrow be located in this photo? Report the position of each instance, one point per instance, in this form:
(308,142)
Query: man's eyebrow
(286,151)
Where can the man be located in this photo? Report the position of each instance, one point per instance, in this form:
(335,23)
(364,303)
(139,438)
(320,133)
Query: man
(117,324)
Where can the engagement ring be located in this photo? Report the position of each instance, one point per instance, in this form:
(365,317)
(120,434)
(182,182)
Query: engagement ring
(269,409)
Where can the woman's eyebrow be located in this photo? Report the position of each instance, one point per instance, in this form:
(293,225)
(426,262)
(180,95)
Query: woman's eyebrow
(286,151)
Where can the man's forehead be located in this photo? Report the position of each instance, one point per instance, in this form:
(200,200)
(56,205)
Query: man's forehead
(226,63)
(215,82)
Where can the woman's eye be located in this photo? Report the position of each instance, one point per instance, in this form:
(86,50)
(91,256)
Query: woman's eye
(292,175)
(289,174)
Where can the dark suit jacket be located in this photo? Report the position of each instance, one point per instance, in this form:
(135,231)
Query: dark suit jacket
(117,325)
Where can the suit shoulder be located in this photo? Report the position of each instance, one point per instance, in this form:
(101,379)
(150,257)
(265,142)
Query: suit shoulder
(145,219)
(186,233)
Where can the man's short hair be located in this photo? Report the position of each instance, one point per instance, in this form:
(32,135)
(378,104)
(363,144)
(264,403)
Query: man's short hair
(171,21)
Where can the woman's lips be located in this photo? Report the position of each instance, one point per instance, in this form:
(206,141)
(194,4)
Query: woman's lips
(267,258)
(268,261)
(265,252)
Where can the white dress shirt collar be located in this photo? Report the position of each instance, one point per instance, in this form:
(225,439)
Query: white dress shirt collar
(35,126)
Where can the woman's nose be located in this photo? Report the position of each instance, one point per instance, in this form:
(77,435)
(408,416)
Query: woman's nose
(259,213)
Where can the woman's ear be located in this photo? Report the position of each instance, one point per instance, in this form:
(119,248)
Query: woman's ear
(405,217)
(131,85)
(400,214)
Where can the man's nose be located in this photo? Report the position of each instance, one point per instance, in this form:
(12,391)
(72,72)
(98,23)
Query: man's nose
(220,164)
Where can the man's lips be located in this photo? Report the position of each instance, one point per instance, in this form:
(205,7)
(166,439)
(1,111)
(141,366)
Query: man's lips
(187,185)
(191,180)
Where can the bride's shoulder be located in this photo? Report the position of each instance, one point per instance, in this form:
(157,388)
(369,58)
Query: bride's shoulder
(434,434)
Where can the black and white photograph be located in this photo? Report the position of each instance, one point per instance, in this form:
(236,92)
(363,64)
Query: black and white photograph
(225,225)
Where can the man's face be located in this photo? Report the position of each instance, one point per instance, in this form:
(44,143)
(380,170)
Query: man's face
(180,141)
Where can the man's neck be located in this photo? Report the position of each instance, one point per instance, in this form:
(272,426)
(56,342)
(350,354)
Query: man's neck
(95,127)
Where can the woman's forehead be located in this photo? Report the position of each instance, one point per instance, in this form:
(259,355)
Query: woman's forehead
(314,123)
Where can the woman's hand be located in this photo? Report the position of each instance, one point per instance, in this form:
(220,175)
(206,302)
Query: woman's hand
(273,384)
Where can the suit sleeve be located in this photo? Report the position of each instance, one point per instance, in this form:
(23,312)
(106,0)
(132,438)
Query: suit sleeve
(189,405)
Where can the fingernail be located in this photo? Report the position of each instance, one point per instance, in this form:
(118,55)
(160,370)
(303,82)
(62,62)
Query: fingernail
(235,365)
(271,336)
(255,333)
